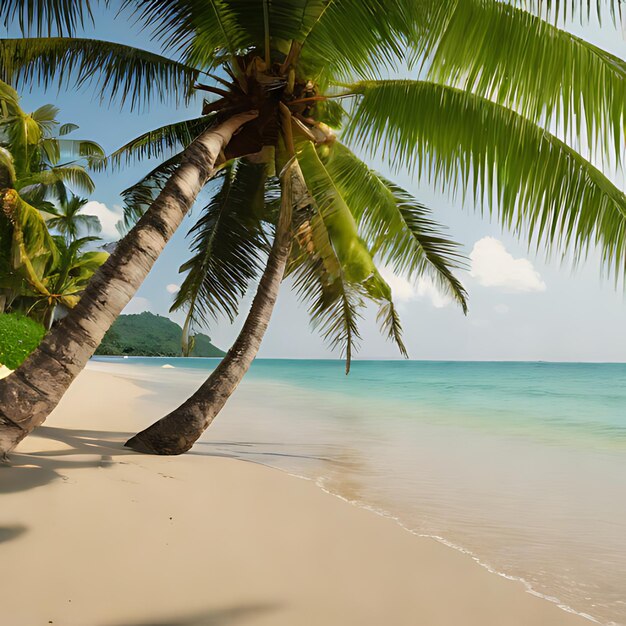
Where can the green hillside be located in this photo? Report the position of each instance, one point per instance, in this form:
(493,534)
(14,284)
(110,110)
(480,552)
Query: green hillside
(147,334)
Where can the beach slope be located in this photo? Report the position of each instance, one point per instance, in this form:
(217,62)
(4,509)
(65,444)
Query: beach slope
(92,534)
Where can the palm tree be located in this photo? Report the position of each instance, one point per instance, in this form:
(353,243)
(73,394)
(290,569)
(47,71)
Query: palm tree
(67,277)
(229,241)
(27,248)
(32,179)
(44,161)
(67,219)
(486,81)
(37,386)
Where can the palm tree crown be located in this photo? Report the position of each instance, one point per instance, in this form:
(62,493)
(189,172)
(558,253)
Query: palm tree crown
(482,84)
(68,220)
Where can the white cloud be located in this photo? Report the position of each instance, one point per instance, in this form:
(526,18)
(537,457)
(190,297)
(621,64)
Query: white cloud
(172,288)
(108,217)
(501,309)
(137,305)
(493,266)
(405,291)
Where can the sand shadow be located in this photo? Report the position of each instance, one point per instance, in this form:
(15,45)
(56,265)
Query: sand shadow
(82,441)
(11,532)
(230,616)
(28,470)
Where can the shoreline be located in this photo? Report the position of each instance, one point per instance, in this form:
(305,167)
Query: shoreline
(528,588)
(288,543)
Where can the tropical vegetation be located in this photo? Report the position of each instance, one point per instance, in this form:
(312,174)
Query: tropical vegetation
(38,166)
(19,336)
(68,220)
(466,93)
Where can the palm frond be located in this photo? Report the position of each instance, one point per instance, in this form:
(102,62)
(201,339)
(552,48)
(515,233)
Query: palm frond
(45,17)
(32,246)
(66,129)
(46,118)
(69,222)
(389,321)
(73,176)
(7,170)
(347,269)
(228,243)
(562,10)
(138,198)
(351,250)
(195,29)
(80,149)
(159,143)
(529,176)
(288,20)
(400,229)
(334,305)
(115,71)
(355,38)
(521,61)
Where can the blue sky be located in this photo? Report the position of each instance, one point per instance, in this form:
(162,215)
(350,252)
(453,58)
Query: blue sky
(522,305)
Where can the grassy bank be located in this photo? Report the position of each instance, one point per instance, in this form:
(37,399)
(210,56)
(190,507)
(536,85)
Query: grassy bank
(19,336)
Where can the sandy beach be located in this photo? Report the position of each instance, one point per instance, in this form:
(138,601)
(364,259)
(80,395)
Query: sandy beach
(93,534)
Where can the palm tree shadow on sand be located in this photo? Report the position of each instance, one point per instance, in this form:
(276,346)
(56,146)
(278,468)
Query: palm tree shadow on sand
(28,470)
(11,532)
(230,616)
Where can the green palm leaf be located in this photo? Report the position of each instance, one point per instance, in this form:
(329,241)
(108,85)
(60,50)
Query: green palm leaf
(161,142)
(287,20)
(571,9)
(228,242)
(7,170)
(464,141)
(193,28)
(399,228)
(355,38)
(46,118)
(66,129)
(139,197)
(73,176)
(46,16)
(91,151)
(69,222)
(351,250)
(348,262)
(114,70)
(515,58)
(334,304)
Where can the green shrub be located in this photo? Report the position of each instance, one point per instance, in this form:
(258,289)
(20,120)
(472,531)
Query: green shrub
(19,336)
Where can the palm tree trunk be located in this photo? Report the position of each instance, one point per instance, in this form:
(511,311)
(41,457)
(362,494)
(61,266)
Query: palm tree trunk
(179,430)
(35,388)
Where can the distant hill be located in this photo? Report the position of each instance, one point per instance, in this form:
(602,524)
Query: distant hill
(146,334)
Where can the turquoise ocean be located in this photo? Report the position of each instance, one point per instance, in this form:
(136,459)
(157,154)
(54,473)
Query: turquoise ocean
(520,465)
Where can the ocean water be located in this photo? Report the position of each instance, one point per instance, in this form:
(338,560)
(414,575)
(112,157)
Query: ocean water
(521,465)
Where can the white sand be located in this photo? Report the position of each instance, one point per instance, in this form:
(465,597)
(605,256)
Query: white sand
(94,535)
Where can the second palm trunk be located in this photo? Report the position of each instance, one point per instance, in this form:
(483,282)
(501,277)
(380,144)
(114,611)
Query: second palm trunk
(180,429)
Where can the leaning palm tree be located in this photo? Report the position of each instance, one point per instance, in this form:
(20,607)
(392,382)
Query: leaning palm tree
(474,114)
(336,277)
